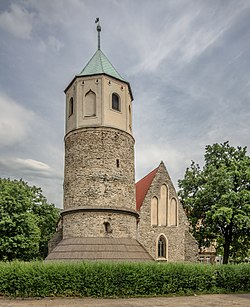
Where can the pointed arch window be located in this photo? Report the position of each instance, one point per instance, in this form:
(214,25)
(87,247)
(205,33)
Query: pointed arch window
(173,212)
(162,247)
(90,104)
(162,212)
(116,102)
(154,211)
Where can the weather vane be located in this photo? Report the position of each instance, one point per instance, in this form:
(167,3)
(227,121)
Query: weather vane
(98,28)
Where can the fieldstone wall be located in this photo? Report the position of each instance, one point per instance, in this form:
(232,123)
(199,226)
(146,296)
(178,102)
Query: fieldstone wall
(99,168)
(91,224)
(148,235)
(191,247)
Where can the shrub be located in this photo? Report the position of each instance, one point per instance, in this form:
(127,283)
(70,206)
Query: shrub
(29,279)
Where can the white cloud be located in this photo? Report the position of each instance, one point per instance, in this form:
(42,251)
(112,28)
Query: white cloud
(15,121)
(32,164)
(30,168)
(35,173)
(17,21)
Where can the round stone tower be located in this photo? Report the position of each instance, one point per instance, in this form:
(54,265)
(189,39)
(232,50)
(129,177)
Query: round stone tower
(99,186)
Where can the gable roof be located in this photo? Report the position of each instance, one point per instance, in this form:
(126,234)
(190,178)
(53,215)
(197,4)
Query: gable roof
(142,187)
(100,64)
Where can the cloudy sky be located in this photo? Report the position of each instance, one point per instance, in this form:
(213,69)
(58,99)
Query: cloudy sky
(188,63)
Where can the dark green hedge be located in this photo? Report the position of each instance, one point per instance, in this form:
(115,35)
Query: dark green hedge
(119,279)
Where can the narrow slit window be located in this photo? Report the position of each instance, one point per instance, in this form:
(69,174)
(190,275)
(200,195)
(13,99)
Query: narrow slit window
(130,117)
(117,163)
(116,105)
(71,106)
(107,227)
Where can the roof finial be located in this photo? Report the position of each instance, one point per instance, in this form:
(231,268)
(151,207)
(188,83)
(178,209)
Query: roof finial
(98,28)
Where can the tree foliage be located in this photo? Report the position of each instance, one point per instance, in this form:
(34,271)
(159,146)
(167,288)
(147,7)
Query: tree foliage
(27,221)
(217,200)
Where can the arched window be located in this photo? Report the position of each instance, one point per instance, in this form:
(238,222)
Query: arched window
(116,102)
(154,211)
(162,247)
(71,106)
(162,213)
(173,212)
(90,104)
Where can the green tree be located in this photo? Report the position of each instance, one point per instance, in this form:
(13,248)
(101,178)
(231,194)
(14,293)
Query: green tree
(47,217)
(27,221)
(217,200)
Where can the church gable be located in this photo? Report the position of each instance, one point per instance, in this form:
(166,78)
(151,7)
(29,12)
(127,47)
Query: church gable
(163,223)
(157,191)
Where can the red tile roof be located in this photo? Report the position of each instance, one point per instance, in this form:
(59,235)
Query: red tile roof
(142,187)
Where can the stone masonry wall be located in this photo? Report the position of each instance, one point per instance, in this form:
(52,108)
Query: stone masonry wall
(99,169)
(191,250)
(91,224)
(176,235)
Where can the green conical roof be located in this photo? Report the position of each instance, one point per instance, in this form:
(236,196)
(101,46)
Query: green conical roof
(100,64)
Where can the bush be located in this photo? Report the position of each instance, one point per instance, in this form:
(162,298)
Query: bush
(40,279)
